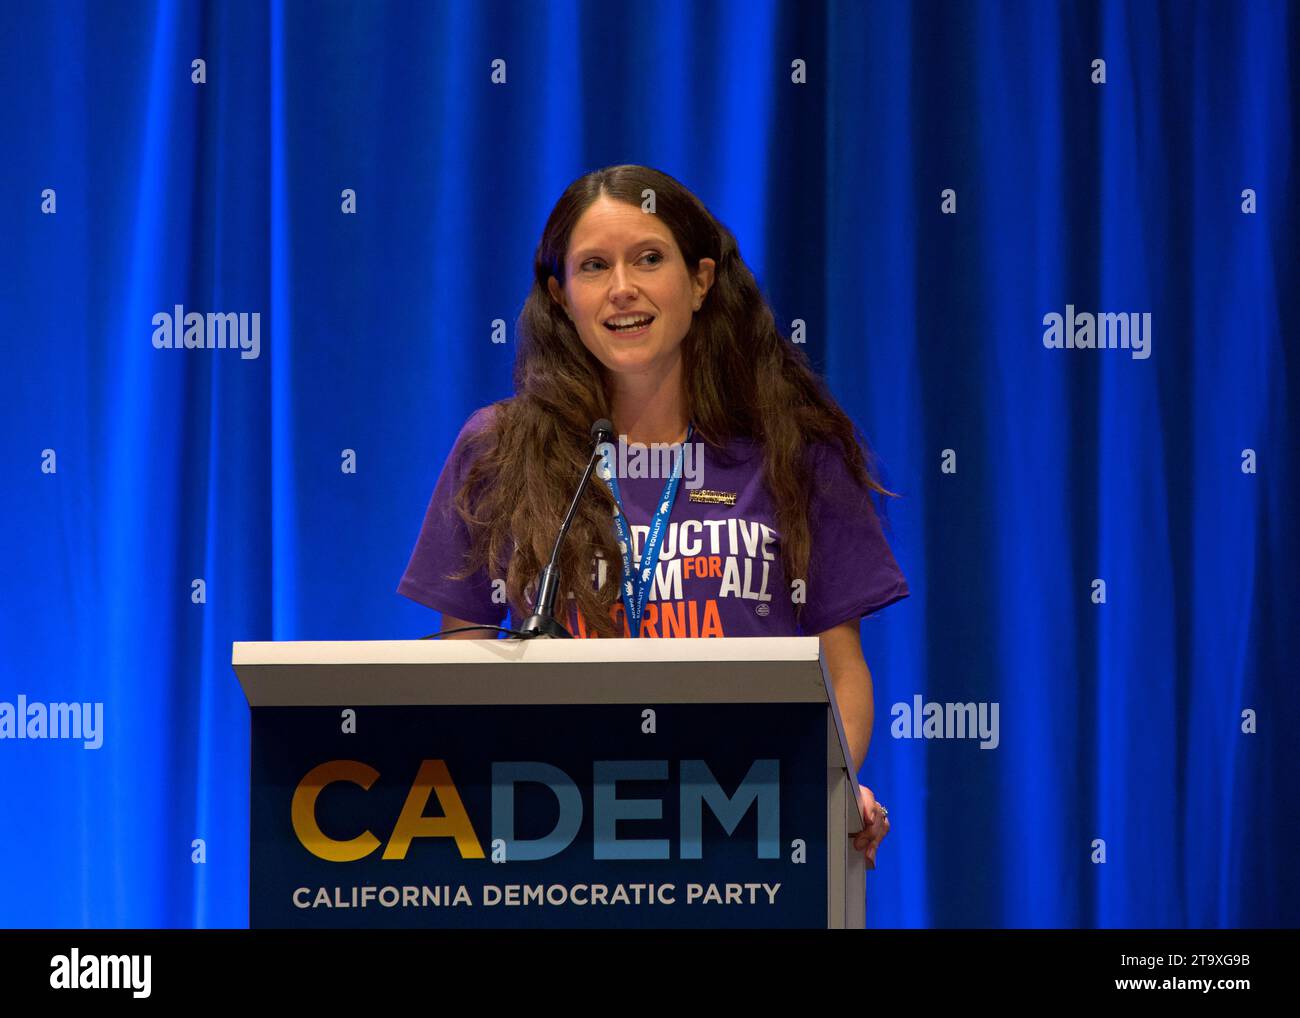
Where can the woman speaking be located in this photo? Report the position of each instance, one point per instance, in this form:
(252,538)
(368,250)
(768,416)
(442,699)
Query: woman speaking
(643,313)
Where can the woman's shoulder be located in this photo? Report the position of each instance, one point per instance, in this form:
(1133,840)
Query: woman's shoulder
(473,440)
(475,434)
(482,419)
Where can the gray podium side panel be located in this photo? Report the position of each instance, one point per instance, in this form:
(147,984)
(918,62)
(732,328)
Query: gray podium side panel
(836,828)
(846,904)
(855,868)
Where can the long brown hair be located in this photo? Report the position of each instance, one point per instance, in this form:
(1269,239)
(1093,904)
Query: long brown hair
(743,378)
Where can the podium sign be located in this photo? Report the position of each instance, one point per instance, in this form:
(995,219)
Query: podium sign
(547,784)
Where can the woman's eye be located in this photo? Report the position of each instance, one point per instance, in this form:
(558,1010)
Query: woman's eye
(649,254)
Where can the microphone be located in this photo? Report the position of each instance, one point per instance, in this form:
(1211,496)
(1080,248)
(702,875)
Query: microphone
(543,622)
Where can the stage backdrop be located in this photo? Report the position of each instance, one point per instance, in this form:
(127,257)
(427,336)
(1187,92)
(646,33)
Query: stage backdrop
(1101,543)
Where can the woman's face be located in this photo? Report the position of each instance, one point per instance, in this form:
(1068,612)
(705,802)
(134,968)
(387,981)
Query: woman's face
(623,262)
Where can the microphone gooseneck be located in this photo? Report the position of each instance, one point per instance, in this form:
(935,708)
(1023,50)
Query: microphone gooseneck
(543,622)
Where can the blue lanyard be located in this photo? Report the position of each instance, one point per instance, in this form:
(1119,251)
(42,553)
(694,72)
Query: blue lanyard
(637,588)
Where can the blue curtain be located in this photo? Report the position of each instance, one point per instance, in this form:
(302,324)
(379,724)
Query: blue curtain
(1152,730)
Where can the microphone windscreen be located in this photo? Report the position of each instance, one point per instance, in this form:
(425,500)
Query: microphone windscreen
(603,427)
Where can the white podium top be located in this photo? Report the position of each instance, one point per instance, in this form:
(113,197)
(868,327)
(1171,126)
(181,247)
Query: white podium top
(355,652)
(708,670)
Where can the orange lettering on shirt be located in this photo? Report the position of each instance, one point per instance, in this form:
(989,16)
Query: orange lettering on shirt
(712,620)
(715,565)
(662,620)
(672,619)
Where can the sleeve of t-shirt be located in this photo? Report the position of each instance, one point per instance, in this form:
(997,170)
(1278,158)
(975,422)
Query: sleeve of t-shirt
(443,542)
(851,572)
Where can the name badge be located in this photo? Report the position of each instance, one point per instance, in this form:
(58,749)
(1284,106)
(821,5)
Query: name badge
(714,497)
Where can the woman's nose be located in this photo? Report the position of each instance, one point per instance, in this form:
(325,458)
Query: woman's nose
(620,280)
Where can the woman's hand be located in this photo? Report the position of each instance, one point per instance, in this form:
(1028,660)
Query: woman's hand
(876,826)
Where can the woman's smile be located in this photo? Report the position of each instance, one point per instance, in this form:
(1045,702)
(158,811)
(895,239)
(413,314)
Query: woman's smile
(629,326)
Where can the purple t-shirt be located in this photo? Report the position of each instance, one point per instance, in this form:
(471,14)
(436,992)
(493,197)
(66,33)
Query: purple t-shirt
(719,571)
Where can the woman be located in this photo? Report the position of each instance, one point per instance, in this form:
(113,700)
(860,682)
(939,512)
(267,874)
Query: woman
(643,312)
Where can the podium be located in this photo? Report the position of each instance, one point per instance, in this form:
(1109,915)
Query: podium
(549,784)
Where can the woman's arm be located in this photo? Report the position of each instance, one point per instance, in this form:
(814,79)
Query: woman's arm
(851,679)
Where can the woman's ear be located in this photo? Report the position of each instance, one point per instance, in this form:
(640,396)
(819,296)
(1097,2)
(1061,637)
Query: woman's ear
(704,280)
(557,295)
